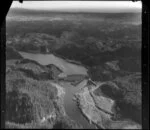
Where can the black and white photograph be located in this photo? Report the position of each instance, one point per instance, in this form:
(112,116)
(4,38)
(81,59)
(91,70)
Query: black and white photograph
(74,65)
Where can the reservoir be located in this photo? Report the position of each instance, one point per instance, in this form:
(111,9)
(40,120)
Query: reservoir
(68,68)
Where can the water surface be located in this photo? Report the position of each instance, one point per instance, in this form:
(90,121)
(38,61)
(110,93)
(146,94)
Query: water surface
(66,67)
(71,107)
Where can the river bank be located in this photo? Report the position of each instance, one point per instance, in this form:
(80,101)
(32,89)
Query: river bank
(71,107)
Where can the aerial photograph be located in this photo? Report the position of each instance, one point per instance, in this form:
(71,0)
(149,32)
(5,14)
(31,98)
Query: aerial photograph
(73,65)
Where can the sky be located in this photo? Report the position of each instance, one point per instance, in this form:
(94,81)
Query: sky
(81,6)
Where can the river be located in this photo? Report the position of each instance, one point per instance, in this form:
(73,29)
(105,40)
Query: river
(70,105)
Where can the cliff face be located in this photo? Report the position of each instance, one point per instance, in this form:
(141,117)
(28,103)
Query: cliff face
(110,105)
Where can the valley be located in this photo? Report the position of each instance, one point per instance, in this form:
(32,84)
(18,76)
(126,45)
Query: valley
(73,70)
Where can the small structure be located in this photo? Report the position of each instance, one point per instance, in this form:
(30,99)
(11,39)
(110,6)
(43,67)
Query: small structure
(44,49)
(62,75)
(113,65)
(90,82)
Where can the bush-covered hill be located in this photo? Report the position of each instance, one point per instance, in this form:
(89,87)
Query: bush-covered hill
(31,100)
